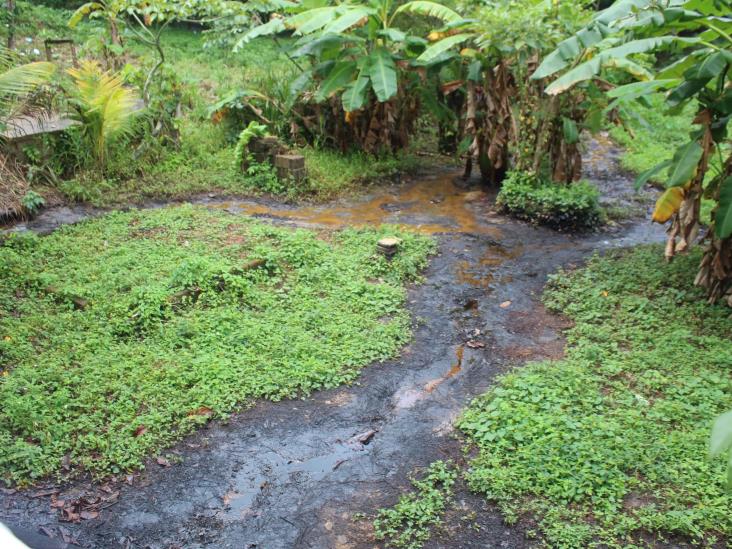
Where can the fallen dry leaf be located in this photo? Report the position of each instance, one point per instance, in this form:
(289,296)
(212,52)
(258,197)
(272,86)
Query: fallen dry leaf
(505,304)
(141,430)
(57,503)
(475,344)
(163,462)
(202,411)
(89,515)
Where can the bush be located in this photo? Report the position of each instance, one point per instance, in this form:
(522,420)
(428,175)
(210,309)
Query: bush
(561,207)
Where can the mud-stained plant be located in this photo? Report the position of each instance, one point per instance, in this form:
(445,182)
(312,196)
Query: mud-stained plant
(697,35)
(362,81)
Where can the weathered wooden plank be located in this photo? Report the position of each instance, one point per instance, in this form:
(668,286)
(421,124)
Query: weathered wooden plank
(25,127)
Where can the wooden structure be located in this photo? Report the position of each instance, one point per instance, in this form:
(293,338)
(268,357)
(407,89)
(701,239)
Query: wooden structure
(50,42)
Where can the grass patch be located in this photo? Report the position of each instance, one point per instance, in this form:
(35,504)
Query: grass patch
(205,163)
(407,524)
(120,335)
(574,207)
(332,173)
(610,444)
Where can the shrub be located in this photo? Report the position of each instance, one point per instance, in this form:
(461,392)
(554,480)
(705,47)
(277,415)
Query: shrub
(562,207)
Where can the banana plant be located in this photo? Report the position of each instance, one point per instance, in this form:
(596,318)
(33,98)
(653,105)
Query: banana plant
(354,55)
(109,11)
(509,124)
(697,36)
(358,45)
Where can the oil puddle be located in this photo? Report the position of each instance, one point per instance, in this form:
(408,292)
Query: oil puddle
(467,273)
(429,206)
(250,484)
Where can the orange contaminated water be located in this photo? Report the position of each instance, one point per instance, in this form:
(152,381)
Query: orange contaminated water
(429,206)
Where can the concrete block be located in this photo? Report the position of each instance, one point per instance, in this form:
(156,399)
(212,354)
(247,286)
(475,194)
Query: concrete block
(290,161)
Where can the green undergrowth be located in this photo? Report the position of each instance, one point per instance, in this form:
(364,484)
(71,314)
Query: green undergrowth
(574,207)
(204,165)
(608,447)
(407,524)
(203,161)
(122,334)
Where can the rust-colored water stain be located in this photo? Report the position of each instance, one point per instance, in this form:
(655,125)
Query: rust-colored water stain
(495,255)
(428,206)
(466,273)
(453,371)
(479,274)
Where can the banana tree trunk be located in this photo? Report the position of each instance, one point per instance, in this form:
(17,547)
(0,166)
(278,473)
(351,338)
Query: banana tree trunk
(685,223)
(715,270)
(470,128)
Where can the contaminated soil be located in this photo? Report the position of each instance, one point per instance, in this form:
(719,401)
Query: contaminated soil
(311,473)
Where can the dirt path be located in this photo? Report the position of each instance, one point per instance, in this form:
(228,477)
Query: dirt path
(292,474)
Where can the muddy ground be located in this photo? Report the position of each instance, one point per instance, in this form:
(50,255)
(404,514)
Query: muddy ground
(293,474)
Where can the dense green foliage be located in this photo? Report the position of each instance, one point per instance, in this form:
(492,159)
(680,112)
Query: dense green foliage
(611,442)
(194,153)
(650,135)
(407,524)
(563,207)
(120,335)
(692,38)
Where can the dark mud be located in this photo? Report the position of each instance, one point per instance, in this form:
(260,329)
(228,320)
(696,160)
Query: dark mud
(293,474)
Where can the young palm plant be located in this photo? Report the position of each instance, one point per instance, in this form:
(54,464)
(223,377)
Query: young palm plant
(105,108)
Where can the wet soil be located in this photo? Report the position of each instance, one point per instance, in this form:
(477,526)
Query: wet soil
(293,474)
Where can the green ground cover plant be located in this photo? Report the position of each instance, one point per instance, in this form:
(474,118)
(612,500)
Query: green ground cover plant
(608,447)
(407,524)
(571,207)
(122,334)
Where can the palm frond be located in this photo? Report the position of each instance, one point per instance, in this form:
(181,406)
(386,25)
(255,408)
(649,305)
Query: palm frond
(105,107)
(18,82)
(23,79)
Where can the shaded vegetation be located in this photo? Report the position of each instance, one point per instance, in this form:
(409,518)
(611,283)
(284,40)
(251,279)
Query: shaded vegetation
(122,334)
(574,207)
(608,447)
(651,135)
